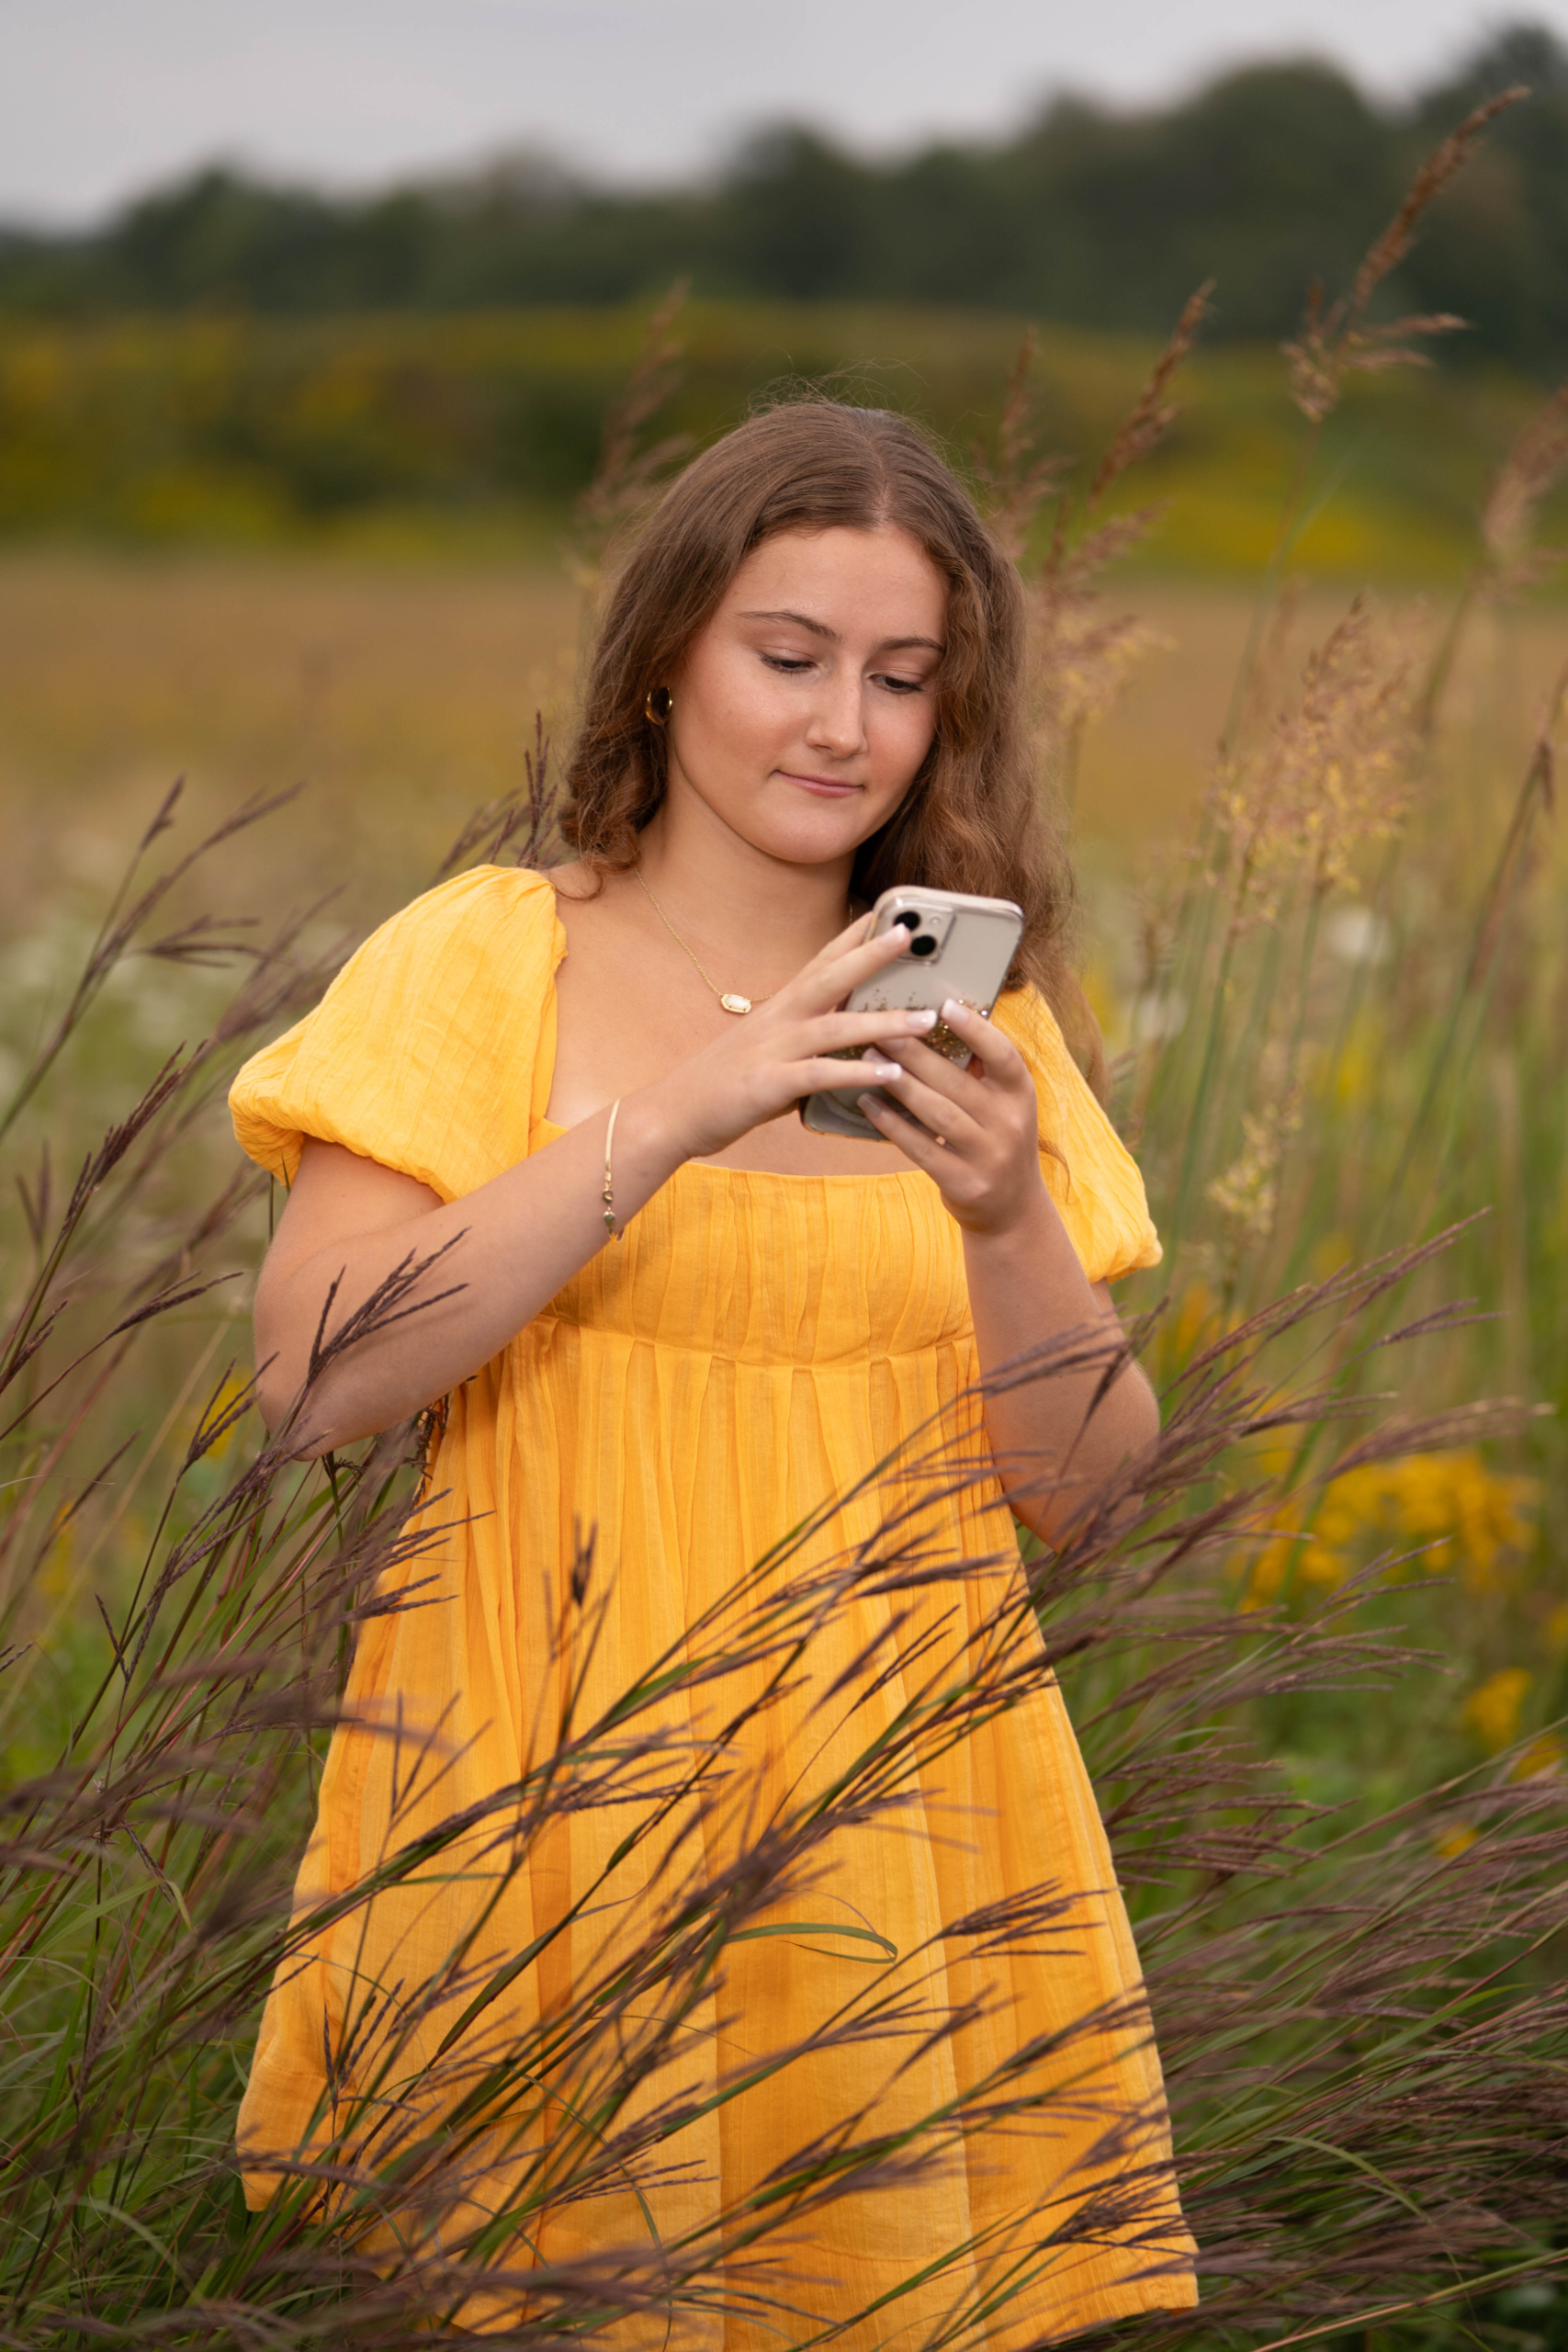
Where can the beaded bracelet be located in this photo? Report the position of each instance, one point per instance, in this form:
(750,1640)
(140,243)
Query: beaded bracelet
(608,1195)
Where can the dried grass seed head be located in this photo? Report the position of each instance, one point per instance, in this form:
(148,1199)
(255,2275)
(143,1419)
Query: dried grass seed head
(1082,656)
(1331,775)
(1530,470)
(1333,343)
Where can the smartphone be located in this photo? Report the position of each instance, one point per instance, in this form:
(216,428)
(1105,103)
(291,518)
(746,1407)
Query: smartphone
(958,947)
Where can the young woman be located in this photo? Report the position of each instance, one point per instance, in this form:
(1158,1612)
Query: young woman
(668,1318)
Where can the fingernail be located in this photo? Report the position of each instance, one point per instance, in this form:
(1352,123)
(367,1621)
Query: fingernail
(870,1105)
(885,1071)
(953,1011)
(920,1022)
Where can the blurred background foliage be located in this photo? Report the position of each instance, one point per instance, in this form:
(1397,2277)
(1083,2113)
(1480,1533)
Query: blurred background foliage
(234,363)
(473,434)
(1263,179)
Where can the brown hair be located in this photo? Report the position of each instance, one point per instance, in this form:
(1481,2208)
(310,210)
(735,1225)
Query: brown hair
(972,819)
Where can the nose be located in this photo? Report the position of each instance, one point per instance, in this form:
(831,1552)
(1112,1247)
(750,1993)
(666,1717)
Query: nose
(837,725)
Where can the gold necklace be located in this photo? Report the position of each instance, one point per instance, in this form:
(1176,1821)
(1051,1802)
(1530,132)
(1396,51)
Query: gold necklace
(731,999)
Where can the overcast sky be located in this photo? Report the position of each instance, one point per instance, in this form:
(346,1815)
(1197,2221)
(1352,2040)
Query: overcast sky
(102,97)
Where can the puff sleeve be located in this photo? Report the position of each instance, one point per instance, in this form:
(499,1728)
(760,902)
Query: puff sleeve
(431,1048)
(1094,1183)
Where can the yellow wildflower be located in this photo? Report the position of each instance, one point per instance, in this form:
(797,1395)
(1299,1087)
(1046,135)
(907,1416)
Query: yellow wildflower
(1194,1319)
(232,1387)
(1542,1759)
(1351,1506)
(1454,1496)
(1441,1506)
(1436,1502)
(1492,1712)
(1269,1570)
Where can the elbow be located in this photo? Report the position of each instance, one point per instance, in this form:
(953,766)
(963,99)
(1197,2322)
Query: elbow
(1108,1467)
(288,1431)
(1050,1517)
(302,1422)
(279,1370)
(1142,1409)
(294,1434)
(1072,1506)
(287,1401)
(277,1385)
(292,1415)
(274,1398)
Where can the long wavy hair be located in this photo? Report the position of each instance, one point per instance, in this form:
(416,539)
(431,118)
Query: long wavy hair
(973,819)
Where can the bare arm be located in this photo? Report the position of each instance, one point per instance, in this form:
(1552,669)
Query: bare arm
(493,1259)
(1026,1285)
(1027,1288)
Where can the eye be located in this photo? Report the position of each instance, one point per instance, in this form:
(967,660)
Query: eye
(899,686)
(791,664)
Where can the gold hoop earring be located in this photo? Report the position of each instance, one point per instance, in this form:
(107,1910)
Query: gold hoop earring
(657,703)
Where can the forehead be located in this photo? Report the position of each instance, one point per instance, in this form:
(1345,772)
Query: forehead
(845,577)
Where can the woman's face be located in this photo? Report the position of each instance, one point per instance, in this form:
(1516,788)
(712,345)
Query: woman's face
(803,710)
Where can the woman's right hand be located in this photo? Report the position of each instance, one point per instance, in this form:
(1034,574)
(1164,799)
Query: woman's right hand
(763,1065)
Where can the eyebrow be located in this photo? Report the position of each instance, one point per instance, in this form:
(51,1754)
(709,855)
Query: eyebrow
(820,628)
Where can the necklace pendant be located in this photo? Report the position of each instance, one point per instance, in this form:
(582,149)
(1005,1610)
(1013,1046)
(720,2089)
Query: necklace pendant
(734,1004)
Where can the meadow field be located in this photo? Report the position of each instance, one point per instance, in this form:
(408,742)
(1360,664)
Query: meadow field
(1317,1651)
(399,695)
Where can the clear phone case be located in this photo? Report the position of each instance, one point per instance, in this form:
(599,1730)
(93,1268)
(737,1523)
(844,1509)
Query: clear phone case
(959,946)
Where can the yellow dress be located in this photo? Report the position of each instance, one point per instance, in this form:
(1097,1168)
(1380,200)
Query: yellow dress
(745,1368)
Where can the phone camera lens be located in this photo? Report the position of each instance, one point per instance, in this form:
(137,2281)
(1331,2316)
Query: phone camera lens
(909,920)
(922,946)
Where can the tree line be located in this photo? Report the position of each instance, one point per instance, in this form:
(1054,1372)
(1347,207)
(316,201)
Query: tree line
(1268,178)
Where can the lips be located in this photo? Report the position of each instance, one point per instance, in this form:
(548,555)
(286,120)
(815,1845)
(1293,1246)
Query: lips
(825,786)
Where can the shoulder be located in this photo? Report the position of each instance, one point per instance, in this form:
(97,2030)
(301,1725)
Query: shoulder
(421,1052)
(456,969)
(499,908)
(491,932)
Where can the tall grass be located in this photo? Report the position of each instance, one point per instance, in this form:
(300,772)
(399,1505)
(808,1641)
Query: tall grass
(1309,1642)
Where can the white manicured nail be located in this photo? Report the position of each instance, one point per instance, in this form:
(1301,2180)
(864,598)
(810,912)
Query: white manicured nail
(953,1011)
(885,1071)
(920,1022)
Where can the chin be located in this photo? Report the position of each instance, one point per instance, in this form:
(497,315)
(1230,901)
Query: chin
(817,833)
(809,844)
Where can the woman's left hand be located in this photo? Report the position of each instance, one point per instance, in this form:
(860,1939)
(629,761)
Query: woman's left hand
(987,1160)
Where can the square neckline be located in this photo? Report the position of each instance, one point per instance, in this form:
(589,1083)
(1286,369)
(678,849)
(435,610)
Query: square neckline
(550,1128)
